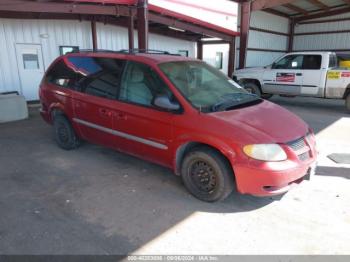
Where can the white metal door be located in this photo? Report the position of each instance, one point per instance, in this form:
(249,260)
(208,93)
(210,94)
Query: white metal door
(31,69)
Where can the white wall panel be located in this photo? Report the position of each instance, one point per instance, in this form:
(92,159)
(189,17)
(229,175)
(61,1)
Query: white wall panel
(321,42)
(50,34)
(259,58)
(320,27)
(172,45)
(54,33)
(115,38)
(264,40)
(112,37)
(267,21)
(344,15)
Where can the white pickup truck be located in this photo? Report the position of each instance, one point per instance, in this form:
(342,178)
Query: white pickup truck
(314,74)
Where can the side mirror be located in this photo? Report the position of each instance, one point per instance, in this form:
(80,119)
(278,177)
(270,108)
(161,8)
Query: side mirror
(163,101)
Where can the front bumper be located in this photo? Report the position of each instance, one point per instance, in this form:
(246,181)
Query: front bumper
(261,178)
(268,182)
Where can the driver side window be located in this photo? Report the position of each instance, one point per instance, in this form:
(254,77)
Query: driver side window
(141,85)
(289,62)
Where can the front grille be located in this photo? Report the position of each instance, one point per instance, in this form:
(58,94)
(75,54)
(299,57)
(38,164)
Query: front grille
(300,144)
(297,144)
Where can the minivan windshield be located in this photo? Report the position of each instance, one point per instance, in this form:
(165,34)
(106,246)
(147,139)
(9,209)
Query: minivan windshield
(205,87)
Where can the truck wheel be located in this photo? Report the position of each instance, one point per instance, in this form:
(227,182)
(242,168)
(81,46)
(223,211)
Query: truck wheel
(207,175)
(64,133)
(252,88)
(347,102)
(267,96)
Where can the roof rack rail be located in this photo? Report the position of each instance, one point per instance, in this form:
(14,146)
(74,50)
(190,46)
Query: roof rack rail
(96,51)
(147,51)
(126,51)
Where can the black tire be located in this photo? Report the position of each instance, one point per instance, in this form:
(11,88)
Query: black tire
(347,102)
(207,175)
(64,133)
(252,88)
(266,96)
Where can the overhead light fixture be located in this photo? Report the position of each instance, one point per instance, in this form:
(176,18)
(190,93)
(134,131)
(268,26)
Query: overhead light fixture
(176,29)
(211,39)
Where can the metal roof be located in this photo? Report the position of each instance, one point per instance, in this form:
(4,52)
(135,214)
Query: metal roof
(304,9)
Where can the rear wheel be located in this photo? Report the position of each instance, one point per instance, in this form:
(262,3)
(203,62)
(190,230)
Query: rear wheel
(347,102)
(64,133)
(207,175)
(252,88)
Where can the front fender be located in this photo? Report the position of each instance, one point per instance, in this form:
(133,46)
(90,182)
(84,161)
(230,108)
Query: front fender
(181,145)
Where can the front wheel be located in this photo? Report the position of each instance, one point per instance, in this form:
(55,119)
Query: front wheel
(252,88)
(347,102)
(266,96)
(207,175)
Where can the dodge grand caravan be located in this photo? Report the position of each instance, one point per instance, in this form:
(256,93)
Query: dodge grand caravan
(180,113)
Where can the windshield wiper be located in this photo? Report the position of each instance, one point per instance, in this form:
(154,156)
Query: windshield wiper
(234,99)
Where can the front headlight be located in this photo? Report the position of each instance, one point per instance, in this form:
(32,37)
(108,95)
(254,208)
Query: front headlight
(265,152)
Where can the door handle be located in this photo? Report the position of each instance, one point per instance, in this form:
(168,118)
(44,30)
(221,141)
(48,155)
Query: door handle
(121,116)
(105,112)
(299,74)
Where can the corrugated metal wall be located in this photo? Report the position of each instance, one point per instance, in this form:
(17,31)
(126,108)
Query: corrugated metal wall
(257,40)
(323,41)
(54,33)
(263,40)
(50,34)
(115,38)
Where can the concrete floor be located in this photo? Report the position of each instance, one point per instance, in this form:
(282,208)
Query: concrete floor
(97,201)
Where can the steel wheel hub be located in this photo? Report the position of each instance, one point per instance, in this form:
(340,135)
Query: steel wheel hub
(203,176)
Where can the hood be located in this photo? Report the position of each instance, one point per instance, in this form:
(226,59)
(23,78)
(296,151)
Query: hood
(265,123)
(249,70)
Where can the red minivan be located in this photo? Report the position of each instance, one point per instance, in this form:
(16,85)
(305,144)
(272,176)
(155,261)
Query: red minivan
(180,113)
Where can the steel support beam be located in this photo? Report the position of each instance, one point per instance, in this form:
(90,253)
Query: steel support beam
(200,50)
(142,24)
(63,8)
(94,34)
(245,23)
(231,57)
(131,27)
(291,35)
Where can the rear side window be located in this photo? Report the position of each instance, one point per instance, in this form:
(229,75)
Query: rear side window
(62,75)
(97,76)
(105,80)
(312,62)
